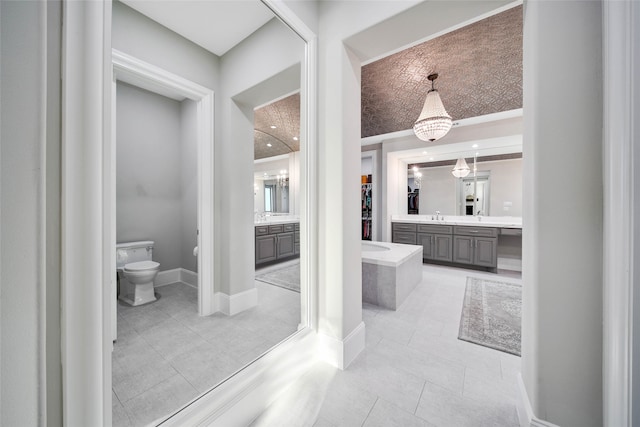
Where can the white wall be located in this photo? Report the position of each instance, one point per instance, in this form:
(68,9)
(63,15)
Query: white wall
(30,388)
(562,216)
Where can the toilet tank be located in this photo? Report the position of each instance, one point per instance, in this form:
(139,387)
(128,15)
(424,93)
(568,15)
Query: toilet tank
(128,252)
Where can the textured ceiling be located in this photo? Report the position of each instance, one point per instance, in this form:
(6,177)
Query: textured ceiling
(480,72)
(284,114)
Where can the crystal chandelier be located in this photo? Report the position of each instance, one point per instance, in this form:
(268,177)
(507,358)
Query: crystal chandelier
(282,179)
(461,169)
(434,121)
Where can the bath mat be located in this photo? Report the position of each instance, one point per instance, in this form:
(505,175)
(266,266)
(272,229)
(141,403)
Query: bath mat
(286,277)
(491,314)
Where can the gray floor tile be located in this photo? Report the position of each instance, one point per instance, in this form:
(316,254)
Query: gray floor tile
(381,377)
(431,368)
(384,414)
(442,407)
(161,400)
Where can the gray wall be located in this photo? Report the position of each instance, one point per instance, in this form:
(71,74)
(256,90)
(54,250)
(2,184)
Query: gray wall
(154,170)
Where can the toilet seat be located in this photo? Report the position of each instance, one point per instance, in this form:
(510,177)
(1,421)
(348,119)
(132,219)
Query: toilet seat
(141,266)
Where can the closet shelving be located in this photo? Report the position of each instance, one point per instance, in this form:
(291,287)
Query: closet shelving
(366,203)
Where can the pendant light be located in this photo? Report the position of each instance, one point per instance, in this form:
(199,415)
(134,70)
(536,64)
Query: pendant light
(461,169)
(434,121)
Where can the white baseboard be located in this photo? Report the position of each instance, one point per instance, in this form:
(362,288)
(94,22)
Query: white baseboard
(189,277)
(236,303)
(340,353)
(525,411)
(168,277)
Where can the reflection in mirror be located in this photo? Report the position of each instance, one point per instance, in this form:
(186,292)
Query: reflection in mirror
(165,354)
(497,185)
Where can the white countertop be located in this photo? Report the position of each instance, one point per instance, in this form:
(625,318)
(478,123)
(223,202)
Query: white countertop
(479,221)
(274,220)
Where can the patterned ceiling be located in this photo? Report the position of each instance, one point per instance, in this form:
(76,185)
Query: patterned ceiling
(479,67)
(284,114)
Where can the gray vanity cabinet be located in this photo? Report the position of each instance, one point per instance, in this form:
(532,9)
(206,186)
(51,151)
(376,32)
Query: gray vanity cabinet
(476,245)
(470,245)
(276,241)
(436,241)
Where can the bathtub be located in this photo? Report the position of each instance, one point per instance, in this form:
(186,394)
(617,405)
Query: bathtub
(390,271)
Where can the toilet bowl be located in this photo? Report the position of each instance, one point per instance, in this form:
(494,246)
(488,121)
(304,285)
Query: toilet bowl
(141,275)
(136,272)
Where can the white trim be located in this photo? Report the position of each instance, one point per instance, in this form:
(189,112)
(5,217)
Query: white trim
(340,353)
(487,118)
(188,277)
(237,303)
(183,275)
(167,277)
(132,69)
(85,299)
(526,417)
(618,172)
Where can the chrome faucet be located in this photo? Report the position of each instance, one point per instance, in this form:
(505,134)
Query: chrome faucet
(437,215)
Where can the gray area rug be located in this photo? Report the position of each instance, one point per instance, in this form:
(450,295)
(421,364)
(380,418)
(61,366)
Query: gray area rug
(286,277)
(491,314)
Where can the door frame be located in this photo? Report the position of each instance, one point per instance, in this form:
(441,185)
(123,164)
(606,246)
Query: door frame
(139,73)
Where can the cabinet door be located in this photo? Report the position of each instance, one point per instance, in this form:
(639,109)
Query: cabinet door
(286,245)
(463,249)
(426,240)
(265,248)
(486,251)
(443,247)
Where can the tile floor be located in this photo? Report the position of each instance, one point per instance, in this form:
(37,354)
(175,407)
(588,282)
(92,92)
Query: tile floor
(167,355)
(413,372)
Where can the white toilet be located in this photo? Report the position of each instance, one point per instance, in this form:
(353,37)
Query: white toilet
(136,272)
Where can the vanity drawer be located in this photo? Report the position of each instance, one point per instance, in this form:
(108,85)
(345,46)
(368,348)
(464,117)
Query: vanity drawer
(435,229)
(475,231)
(296,237)
(402,226)
(297,226)
(274,229)
(289,227)
(405,237)
(262,230)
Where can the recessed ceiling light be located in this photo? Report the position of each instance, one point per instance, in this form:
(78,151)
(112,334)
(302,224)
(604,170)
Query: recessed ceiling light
(268,145)
(424,152)
(474,146)
(273,127)
(295,138)
(431,158)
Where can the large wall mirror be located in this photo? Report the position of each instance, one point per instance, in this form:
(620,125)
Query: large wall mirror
(167,352)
